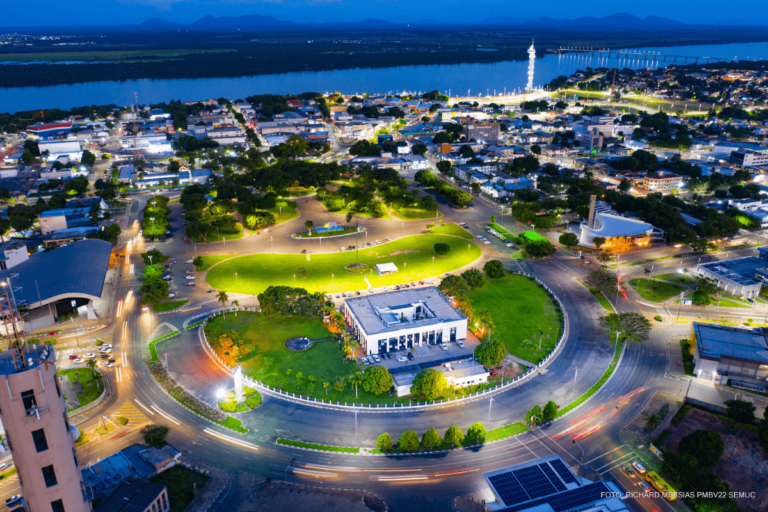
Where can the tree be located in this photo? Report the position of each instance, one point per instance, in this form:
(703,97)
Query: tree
(474,278)
(222,297)
(325,385)
(476,433)
(534,416)
(491,353)
(493,219)
(384,442)
(625,186)
(154,435)
(339,385)
(235,304)
(429,383)
(153,289)
(408,441)
(740,410)
(442,249)
(633,326)
(453,436)
(431,439)
(88,158)
(494,269)
(706,445)
(569,239)
(444,167)
(91,364)
(598,241)
(419,149)
(354,380)
(699,245)
(602,280)
(309,225)
(377,380)
(701,298)
(603,257)
(536,149)
(651,422)
(539,248)
(454,285)
(550,411)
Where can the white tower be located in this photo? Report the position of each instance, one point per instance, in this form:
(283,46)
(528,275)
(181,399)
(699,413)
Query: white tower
(531,62)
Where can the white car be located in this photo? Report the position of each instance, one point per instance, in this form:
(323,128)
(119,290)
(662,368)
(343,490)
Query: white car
(108,364)
(638,467)
(376,358)
(190,261)
(3,466)
(388,239)
(13,500)
(190,278)
(89,356)
(151,248)
(171,295)
(78,360)
(402,359)
(190,283)
(444,346)
(487,242)
(460,343)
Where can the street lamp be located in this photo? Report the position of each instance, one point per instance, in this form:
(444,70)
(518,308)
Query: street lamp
(235,276)
(490,403)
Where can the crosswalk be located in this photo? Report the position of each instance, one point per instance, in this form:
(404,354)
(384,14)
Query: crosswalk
(130,411)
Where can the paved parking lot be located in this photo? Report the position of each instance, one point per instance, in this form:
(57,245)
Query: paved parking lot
(430,353)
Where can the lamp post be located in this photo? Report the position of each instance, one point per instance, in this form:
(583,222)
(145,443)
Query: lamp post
(235,276)
(581,461)
(490,403)
(294,279)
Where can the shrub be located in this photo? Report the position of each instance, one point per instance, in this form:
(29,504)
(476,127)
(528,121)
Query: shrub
(476,433)
(154,435)
(442,249)
(122,420)
(409,441)
(384,442)
(430,225)
(431,439)
(494,269)
(657,318)
(253,401)
(99,343)
(228,406)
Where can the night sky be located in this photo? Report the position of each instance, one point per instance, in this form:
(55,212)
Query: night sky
(116,12)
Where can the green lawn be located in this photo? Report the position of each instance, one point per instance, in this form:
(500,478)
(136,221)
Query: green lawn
(655,291)
(451,229)
(676,278)
(412,255)
(533,236)
(224,233)
(92,383)
(284,211)
(522,312)
(209,261)
(182,484)
(688,364)
(602,299)
(301,191)
(290,442)
(502,230)
(325,234)
(414,214)
(730,302)
(506,431)
(167,306)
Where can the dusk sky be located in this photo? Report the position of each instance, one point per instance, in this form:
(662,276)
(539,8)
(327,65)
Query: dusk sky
(112,12)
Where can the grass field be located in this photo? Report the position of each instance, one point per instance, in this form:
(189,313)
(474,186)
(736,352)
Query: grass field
(502,230)
(182,485)
(209,261)
(228,233)
(92,383)
(167,306)
(451,229)
(522,313)
(655,291)
(676,278)
(533,236)
(343,449)
(414,214)
(506,431)
(412,255)
(123,56)
(729,302)
(284,211)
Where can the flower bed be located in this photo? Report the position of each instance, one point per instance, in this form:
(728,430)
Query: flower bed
(180,394)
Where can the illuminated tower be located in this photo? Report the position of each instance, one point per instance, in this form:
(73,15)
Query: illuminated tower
(531,62)
(36,425)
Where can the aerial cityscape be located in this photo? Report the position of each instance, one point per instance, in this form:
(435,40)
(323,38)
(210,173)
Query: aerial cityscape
(543,286)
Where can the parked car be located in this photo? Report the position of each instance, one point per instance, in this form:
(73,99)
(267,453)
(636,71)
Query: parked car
(173,260)
(3,466)
(444,346)
(410,356)
(89,355)
(187,239)
(639,467)
(77,361)
(171,295)
(212,290)
(376,358)
(402,359)
(105,356)
(190,283)
(108,364)
(190,261)
(460,343)
(190,278)
(13,500)
(365,360)
(167,278)
(73,356)
(151,248)
(189,271)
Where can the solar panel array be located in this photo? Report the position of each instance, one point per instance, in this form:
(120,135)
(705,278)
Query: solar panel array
(563,471)
(531,482)
(568,500)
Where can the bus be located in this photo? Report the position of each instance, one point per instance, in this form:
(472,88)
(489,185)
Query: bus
(660,485)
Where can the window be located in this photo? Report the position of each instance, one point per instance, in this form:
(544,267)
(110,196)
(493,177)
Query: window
(165,500)
(57,506)
(58,389)
(74,455)
(28,397)
(66,422)
(50,476)
(38,436)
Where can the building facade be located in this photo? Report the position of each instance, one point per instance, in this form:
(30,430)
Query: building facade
(399,320)
(37,431)
(731,353)
(662,181)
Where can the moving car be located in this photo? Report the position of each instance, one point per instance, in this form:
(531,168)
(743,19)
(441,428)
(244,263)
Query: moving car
(629,471)
(77,361)
(105,356)
(108,364)
(639,467)
(171,295)
(73,356)
(89,355)
(644,486)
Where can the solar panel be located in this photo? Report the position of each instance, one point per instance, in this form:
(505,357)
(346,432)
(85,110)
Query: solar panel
(508,489)
(534,482)
(552,477)
(568,500)
(563,471)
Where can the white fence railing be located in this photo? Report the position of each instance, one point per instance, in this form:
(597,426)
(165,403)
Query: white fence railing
(418,405)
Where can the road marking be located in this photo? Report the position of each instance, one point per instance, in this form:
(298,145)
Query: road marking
(603,455)
(128,410)
(122,335)
(117,374)
(617,461)
(125,360)
(145,407)
(161,413)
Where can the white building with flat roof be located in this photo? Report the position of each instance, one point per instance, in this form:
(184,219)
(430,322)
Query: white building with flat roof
(388,322)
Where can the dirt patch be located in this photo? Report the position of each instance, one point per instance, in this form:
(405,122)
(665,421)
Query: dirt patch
(405,252)
(743,464)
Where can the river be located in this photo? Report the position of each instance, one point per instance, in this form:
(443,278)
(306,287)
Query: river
(459,79)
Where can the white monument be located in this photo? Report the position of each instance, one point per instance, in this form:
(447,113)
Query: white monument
(238,384)
(531,63)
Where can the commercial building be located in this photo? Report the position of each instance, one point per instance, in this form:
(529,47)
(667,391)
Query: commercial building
(486,132)
(731,353)
(37,431)
(549,485)
(63,218)
(457,374)
(47,129)
(398,320)
(590,141)
(662,181)
(136,496)
(740,276)
(69,148)
(620,233)
(12,253)
(748,158)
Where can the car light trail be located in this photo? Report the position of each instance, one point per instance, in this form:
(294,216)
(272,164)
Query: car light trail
(313,473)
(404,478)
(119,307)
(630,395)
(587,415)
(229,439)
(131,270)
(128,297)
(454,473)
(145,407)
(347,469)
(119,375)
(161,413)
(587,432)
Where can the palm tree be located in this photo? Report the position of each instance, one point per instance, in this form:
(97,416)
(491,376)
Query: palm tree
(354,380)
(340,385)
(309,225)
(235,304)
(647,271)
(325,385)
(223,298)
(299,376)
(268,361)
(90,364)
(651,422)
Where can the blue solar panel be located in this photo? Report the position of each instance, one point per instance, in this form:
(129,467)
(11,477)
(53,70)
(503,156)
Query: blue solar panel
(568,500)
(562,470)
(552,477)
(508,489)
(534,482)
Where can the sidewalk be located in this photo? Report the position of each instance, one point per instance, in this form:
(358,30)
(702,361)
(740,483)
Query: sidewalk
(219,482)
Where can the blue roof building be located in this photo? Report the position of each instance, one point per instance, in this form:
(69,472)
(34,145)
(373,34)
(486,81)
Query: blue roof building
(731,353)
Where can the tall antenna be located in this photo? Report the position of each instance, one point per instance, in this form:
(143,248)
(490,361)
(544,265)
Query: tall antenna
(15,345)
(531,63)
